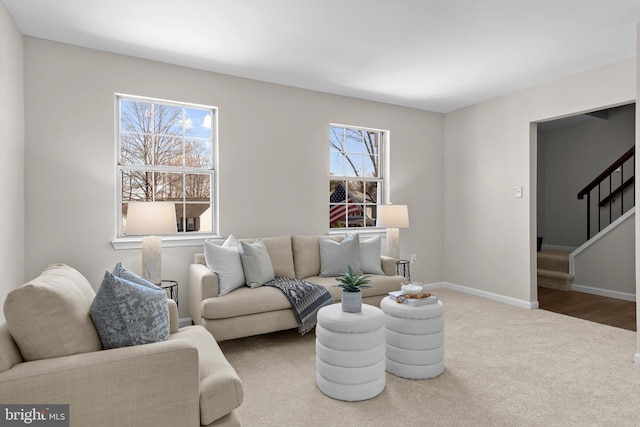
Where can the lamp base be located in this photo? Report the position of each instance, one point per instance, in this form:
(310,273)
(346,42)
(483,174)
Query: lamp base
(152,259)
(393,243)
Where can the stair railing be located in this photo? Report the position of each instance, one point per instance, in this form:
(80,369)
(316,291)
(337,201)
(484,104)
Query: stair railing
(610,194)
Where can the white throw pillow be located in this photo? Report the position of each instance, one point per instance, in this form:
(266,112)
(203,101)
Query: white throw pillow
(370,255)
(225,262)
(336,257)
(256,263)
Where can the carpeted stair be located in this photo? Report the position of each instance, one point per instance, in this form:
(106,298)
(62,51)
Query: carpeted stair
(553,270)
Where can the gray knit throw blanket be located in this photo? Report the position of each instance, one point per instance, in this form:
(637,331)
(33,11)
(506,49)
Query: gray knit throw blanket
(305,298)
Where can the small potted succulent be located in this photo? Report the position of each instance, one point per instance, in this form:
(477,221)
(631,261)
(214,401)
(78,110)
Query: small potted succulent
(351,285)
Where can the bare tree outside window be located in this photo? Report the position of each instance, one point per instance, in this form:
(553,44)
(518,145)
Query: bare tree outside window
(166,154)
(356,181)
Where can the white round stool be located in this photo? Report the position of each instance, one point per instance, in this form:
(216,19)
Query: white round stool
(414,339)
(350,353)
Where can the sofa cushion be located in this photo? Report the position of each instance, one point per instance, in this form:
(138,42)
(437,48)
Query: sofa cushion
(370,255)
(245,301)
(221,389)
(306,254)
(49,316)
(224,260)
(256,263)
(281,255)
(336,257)
(127,313)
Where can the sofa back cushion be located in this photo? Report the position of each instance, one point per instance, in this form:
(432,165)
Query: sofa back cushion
(49,316)
(281,254)
(306,254)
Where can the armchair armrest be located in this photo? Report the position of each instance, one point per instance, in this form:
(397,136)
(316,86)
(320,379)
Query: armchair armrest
(389,266)
(152,384)
(203,284)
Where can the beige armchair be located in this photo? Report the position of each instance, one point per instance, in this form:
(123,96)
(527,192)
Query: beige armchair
(183,381)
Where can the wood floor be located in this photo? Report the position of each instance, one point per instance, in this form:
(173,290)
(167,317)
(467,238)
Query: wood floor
(608,311)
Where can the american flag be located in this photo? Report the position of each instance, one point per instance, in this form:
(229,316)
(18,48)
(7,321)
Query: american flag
(341,211)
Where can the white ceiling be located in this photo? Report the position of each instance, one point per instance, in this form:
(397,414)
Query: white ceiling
(437,55)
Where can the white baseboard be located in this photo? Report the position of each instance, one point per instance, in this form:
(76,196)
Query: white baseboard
(186,321)
(484,294)
(603,292)
(636,359)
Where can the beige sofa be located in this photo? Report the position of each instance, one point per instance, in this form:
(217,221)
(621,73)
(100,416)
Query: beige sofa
(248,311)
(183,381)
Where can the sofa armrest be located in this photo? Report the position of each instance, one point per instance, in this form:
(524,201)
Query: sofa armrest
(174,316)
(389,266)
(203,284)
(152,384)
(199,259)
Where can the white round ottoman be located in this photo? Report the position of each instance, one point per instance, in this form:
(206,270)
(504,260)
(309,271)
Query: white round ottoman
(414,339)
(350,353)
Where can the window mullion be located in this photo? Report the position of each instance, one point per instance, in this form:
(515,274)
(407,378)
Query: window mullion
(184,203)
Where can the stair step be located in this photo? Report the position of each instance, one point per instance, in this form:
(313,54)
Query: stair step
(551,259)
(553,274)
(555,279)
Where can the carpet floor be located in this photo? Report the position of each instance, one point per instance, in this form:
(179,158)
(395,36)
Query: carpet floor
(504,366)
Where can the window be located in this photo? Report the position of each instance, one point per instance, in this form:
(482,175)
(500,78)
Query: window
(166,153)
(355,176)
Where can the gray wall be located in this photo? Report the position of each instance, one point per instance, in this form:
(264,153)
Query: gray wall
(490,149)
(607,263)
(12,253)
(273,147)
(568,159)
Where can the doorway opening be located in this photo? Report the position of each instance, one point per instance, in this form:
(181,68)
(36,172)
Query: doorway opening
(571,152)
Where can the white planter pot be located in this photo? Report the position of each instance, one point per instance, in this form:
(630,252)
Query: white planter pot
(351,302)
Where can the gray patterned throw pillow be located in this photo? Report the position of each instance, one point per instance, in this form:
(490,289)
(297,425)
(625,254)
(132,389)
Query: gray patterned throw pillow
(127,313)
(121,271)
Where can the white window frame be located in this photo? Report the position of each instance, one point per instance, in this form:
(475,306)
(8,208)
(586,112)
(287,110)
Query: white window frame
(181,238)
(383,180)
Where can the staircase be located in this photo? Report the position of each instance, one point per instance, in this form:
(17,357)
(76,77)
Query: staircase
(615,185)
(553,270)
(615,182)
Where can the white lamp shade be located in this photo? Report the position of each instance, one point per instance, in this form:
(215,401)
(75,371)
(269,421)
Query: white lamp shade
(146,218)
(392,216)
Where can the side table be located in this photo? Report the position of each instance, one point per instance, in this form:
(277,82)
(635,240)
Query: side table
(414,339)
(403,268)
(350,353)
(171,287)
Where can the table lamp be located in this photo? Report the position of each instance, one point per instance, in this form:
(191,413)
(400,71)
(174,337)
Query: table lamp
(393,217)
(148,219)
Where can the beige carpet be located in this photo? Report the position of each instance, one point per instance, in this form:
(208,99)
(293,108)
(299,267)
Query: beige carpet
(505,366)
